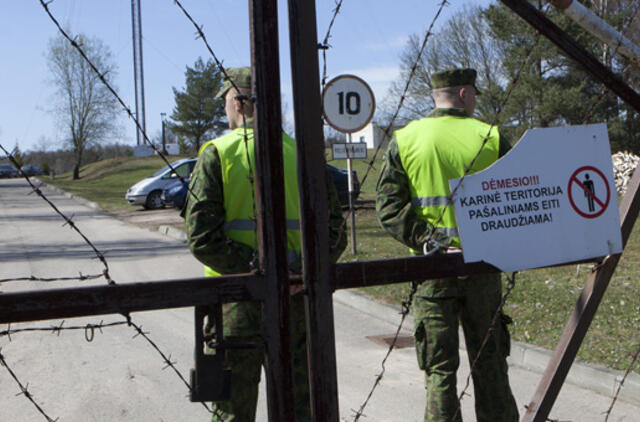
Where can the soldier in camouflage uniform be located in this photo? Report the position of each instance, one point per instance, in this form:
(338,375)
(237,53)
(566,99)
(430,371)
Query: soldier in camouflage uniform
(221,234)
(412,205)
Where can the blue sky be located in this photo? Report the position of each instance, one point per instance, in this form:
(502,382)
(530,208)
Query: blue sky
(367,38)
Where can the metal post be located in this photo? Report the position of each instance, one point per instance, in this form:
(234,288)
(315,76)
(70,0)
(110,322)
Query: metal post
(351,210)
(574,50)
(143,115)
(134,33)
(582,315)
(314,213)
(599,28)
(596,285)
(164,139)
(270,201)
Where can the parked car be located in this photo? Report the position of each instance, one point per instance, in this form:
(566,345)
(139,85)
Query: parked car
(175,194)
(31,170)
(341,180)
(148,192)
(7,170)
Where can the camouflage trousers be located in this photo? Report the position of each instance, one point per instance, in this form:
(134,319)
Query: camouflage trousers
(242,324)
(439,307)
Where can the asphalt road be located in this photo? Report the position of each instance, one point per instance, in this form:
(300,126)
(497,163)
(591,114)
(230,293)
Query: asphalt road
(120,377)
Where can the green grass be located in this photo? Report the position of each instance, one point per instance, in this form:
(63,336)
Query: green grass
(540,304)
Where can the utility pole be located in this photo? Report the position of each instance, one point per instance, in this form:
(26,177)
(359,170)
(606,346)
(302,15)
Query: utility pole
(164,139)
(138,74)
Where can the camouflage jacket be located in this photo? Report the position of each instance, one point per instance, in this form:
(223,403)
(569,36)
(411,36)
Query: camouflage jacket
(205,218)
(393,202)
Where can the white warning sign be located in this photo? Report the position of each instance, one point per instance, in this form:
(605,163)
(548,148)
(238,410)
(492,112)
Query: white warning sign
(550,200)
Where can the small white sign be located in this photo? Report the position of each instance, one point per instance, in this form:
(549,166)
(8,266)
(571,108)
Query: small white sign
(550,200)
(355,150)
(348,103)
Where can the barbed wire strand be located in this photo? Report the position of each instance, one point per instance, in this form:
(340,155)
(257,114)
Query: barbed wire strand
(403,96)
(514,82)
(166,358)
(81,277)
(68,221)
(104,81)
(324,46)
(619,389)
(494,124)
(130,114)
(89,329)
(406,308)
(240,97)
(511,283)
(24,389)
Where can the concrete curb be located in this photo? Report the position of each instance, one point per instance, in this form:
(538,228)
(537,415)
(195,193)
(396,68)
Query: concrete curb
(595,378)
(173,233)
(66,194)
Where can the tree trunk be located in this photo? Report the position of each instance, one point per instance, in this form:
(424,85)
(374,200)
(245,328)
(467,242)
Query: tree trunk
(76,171)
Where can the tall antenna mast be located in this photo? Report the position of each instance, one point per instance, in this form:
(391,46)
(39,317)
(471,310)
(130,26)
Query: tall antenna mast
(138,74)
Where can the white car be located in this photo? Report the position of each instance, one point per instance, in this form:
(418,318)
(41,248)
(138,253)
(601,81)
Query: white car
(148,192)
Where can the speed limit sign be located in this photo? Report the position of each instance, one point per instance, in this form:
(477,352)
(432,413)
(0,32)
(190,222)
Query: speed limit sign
(348,103)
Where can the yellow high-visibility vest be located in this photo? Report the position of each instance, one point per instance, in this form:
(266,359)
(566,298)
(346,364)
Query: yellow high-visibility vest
(240,224)
(436,149)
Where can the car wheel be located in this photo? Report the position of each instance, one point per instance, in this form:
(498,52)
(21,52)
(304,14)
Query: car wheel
(154,200)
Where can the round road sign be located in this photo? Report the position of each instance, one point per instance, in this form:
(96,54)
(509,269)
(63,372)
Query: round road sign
(589,192)
(348,103)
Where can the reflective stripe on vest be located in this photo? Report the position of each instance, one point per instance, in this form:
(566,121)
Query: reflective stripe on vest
(434,150)
(236,162)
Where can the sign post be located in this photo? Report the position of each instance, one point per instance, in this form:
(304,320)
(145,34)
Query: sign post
(550,200)
(348,105)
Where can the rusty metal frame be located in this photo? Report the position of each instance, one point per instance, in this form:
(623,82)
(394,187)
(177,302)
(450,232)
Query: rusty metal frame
(585,309)
(271,281)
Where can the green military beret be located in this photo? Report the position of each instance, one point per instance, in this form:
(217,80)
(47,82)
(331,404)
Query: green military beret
(454,77)
(241,77)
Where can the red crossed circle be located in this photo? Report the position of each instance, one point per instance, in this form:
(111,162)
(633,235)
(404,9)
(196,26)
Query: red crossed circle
(603,205)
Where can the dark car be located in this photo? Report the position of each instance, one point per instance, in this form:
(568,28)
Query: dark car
(7,170)
(341,180)
(31,170)
(175,194)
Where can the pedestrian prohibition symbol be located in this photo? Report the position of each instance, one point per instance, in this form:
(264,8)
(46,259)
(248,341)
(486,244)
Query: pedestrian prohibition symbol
(589,192)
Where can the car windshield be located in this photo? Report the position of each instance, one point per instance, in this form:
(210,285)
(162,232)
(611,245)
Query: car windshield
(159,172)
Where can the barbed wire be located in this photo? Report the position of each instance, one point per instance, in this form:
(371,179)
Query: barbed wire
(324,46)
(81,277)
(89,329)
(467,171)
(406,308)
(101,77)
(240,97)
(511,283)
(403,96)
(166,358)
(24,389)
(67,220)
(624,377)
(494,124)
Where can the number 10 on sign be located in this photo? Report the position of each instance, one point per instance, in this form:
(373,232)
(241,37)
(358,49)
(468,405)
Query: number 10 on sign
(348,105)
